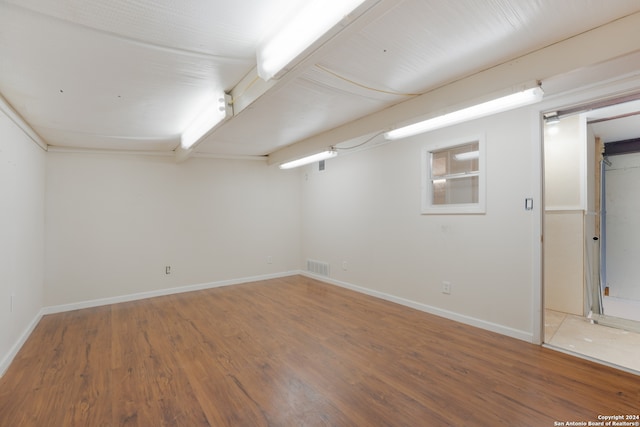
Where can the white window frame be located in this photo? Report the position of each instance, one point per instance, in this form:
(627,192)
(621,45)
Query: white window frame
(428,208)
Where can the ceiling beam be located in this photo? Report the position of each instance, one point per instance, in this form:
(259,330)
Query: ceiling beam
(251,88)
(616,39)
(627,146)
(248,90)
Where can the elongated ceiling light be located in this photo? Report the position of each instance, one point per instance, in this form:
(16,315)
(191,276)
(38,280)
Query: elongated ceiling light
(518,99)
(309,159)
(299,33)
(212,116)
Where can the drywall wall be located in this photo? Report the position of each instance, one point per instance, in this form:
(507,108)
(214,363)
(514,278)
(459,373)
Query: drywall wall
(565,153)
(114,222)
(22,196)
(563,262)
(565,183)
(623,226)
(362,216)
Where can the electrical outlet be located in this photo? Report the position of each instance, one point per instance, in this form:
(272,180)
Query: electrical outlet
(344,265)
(269,259)
(167,269)
(13,297)
(446,288)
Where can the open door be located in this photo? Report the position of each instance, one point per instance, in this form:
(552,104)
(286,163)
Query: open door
(595,283)
(620,237)
(578,235)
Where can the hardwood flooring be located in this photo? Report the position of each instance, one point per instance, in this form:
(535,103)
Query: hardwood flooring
(294,352)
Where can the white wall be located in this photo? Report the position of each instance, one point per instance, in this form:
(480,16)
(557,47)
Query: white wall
(22,195)
(565,154)
(364,209)
(564,262)
(623,226)
(115,221)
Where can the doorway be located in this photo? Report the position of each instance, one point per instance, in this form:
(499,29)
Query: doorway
(582,316)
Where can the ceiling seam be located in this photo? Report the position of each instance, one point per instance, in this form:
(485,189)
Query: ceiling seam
(353,82)
(132,40)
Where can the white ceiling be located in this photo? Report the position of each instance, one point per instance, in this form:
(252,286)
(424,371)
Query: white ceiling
(131,75)
(618,122)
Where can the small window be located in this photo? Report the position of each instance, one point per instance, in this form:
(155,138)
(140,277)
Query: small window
(453,177)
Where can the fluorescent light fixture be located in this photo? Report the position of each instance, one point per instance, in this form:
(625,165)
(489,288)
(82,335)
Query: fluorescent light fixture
(309,159)
(497,105)
(299,33)
(209,118)
(469,155)
(551,118)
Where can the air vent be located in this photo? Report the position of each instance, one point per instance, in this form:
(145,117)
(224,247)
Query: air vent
(318,267)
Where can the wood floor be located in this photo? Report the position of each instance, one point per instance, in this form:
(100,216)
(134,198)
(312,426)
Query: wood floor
(294,352)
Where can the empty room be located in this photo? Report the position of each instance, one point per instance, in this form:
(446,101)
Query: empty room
(307,213)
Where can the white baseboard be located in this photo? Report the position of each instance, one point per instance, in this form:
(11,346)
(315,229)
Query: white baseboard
(13,351)
(468,320)
(160,292)
(8,358)
(494,327)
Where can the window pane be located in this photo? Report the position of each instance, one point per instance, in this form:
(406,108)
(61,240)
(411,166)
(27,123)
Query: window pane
(453,178)
(455,190)
(455,160)
(439,163)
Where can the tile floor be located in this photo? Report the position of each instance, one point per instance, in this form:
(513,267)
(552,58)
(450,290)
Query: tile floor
(578,335)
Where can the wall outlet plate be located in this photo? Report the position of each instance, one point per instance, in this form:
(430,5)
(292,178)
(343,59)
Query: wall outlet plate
(446,287)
